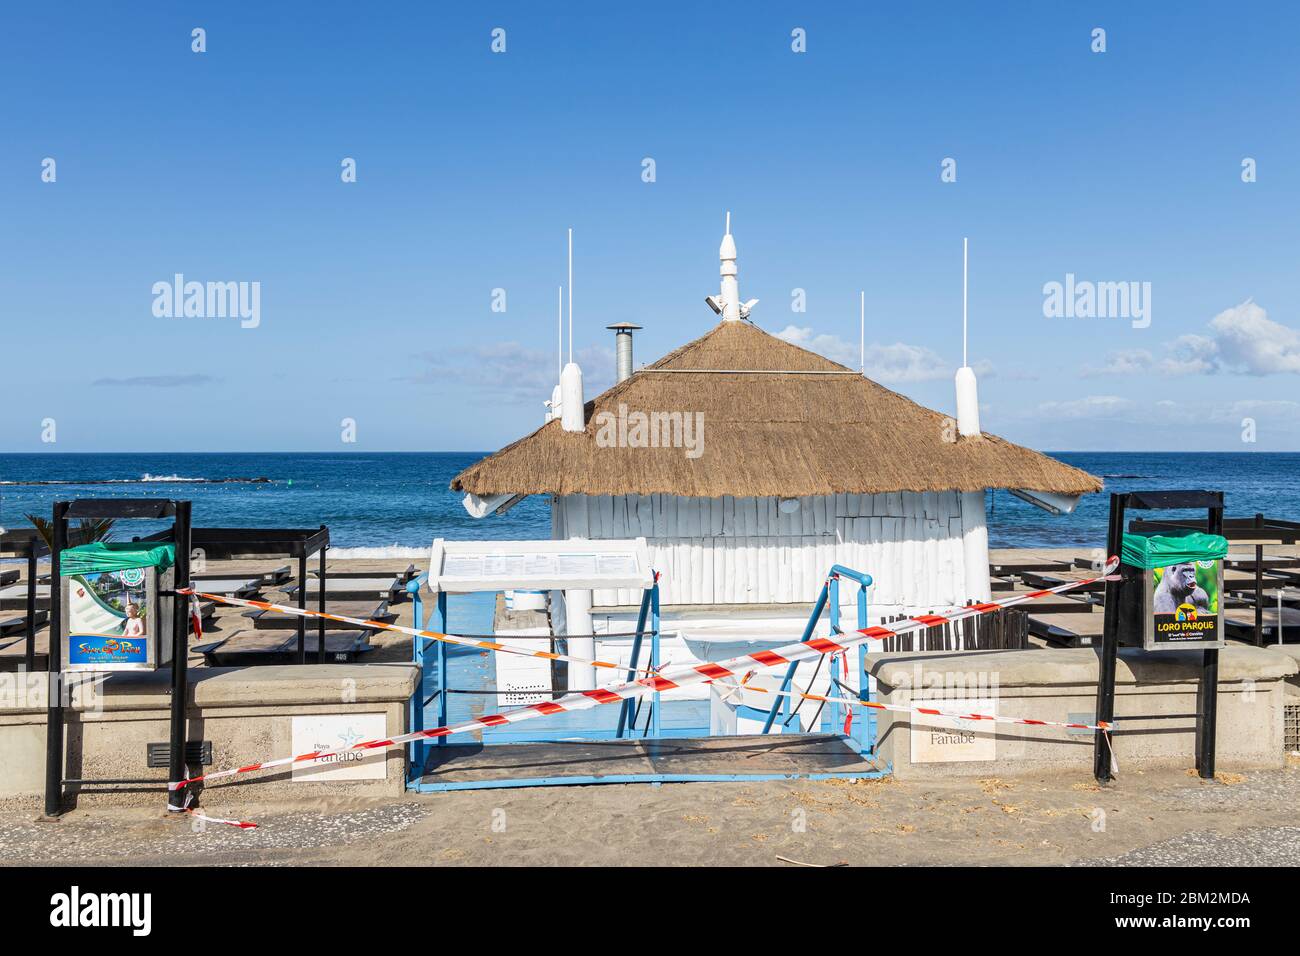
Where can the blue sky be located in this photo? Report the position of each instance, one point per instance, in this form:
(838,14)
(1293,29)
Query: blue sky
(376,296)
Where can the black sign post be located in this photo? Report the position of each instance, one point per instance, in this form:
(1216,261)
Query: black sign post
(1125,589)
(90,508)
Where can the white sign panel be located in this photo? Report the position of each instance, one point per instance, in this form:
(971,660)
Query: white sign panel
(950,740)
(465,566)
(333,732)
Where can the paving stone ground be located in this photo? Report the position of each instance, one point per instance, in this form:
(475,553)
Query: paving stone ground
(1153,818)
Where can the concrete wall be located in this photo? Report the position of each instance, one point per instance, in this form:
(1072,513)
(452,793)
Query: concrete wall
(247,714)
(746,551)
(1156,700)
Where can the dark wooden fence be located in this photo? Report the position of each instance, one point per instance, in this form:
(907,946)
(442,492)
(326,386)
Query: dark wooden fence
(1007,629)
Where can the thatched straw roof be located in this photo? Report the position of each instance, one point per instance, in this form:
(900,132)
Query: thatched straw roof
(809,429)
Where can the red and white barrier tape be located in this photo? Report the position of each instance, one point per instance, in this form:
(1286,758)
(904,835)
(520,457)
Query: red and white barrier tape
(681,675)
(189,798)
(400,629)
(906,709)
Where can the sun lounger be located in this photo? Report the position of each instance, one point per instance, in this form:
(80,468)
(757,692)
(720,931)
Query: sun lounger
(253,646)
(1245,581)
(13,649)
(1246,562)
(1019,566)
(1036,579)
(1241,624)
(1288,579)
(362,610)
(1060,604)
(229,587)
(277,575)
(384,587)
(14,597)
(263,578)
(403,574)
(1067,630)
(17,623)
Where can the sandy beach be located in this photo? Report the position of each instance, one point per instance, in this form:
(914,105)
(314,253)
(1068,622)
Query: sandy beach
(1169,818)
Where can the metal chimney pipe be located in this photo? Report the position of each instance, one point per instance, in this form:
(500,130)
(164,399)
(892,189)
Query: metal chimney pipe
(623,348)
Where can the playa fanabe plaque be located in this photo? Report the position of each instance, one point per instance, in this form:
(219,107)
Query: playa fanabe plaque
(950,740)
(317,732)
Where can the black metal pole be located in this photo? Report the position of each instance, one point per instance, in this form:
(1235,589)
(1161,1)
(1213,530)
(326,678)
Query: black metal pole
(180,652)
(54,664)
(31,605)
(1208,713)
(302,604)
(1109,645)
(1259,595)
(320,621)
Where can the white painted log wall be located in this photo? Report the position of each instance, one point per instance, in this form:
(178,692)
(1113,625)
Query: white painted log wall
(745,551)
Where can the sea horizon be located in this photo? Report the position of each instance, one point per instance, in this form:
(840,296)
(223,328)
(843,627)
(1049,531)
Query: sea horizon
(394,503)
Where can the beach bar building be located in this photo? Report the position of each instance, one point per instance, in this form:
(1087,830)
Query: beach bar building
(751,466)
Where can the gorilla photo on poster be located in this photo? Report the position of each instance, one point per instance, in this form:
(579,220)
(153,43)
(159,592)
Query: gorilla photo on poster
(1183,586)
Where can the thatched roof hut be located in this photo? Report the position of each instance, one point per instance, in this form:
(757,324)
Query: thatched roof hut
(778,421)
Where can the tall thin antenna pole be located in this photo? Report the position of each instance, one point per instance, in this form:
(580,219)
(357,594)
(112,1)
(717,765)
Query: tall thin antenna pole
(570,295)
(964,243)
(559,331)
(862,332)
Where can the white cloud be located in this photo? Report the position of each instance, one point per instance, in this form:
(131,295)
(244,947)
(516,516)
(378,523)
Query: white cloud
(158,381)
(1243,340)
(906,363)
(891,364)
(1190,355)
(1129,362)
(1275,412)
(515,371)
(832,346)
(1093,406)
(1253,344)
(1278,415)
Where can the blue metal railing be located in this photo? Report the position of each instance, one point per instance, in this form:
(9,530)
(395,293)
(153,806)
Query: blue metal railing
(830,594)
(862,736)
(438,622)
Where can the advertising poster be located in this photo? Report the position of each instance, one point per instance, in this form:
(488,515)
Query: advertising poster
(1185,603)
(108,618)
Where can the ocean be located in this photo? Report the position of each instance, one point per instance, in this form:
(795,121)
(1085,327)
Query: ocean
(393,504)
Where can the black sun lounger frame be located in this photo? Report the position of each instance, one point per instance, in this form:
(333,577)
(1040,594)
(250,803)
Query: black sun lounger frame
(220,544)
(27,543)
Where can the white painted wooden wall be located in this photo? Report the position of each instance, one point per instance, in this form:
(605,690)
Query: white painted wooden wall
(745,551)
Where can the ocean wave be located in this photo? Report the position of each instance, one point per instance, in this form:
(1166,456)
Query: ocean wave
(389,551)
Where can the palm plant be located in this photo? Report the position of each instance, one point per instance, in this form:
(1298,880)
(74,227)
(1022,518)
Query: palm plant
(87,530)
